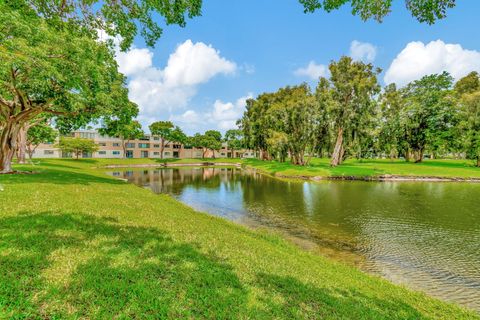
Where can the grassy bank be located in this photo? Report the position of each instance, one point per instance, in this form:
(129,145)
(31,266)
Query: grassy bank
(75,243)
(321,167)
(372,168)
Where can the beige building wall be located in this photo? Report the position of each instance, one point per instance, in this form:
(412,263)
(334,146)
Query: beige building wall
(148,147)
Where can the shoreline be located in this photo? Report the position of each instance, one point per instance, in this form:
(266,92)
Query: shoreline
(379,178)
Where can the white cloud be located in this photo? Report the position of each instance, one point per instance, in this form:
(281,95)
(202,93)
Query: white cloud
(313,71)
(418,59)
(188,117)
(363,51)
(158,90)
(192,64)
(222,115)
(134,61)
(226,114)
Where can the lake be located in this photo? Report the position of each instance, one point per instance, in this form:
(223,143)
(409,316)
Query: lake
(424,235)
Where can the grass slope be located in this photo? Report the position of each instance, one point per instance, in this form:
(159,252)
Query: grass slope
(75,243)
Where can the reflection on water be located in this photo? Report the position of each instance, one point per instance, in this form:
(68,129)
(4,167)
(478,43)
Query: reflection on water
(423,235)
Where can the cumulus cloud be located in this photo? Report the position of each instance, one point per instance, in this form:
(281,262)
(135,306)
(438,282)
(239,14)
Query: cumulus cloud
(157,90)
(192,64)
(222,115)
(134,61)
(363,51)
(226,114)
(313,71)
(418,59)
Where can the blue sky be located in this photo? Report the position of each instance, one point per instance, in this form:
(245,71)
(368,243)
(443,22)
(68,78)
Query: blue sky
(199,76)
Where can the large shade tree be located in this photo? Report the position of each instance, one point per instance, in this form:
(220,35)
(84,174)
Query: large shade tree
(60,72)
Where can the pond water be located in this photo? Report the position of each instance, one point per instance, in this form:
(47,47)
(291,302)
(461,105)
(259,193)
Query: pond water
(425,235)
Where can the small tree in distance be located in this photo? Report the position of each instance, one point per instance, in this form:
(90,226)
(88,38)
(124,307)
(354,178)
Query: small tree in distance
(234,140)
(125,131)
(41,133)
(77,145)
(164,130)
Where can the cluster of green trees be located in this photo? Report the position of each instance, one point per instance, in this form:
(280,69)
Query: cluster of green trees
(349,115)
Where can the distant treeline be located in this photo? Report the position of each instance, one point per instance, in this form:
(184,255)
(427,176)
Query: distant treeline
(350,115)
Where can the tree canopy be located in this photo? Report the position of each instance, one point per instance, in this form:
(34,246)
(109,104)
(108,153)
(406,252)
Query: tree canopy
(424,11)
(62,73)
(126,18)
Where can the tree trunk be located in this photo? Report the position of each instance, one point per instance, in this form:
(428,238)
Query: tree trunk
(22,144)
(478,162)
(336,156)
(418,156)
(162,148)
(8,145)
(203,152)
(30,152)
(407,155)
(124,147)
(342,155)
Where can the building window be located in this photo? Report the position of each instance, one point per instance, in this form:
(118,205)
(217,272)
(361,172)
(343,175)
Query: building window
(116,153)
(102,144)
(156,146)
(48,152)
(144,145)
(156,138)
(129,154)
(187,147)
(116,144)
(223,154)
(87,135)
(167,146)
(144,139)
(166,153)
(156,153)
(130,145)
(176,146)
(144,154)
(102,152)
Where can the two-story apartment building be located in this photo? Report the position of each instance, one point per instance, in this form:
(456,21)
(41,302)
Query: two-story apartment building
(146,147)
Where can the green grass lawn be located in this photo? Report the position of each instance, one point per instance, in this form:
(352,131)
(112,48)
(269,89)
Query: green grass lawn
(76,243)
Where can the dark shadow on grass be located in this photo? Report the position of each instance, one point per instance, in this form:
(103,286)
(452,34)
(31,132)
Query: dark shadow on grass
(69,265)
(296,300)
(110,271)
